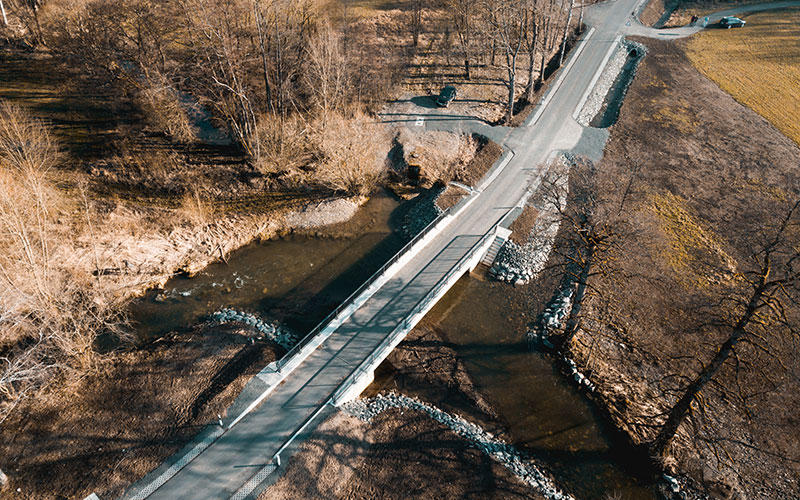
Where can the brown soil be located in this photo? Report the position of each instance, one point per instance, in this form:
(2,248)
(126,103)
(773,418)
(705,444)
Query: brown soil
(112,427)
(653,11)
(450,197)
(523,225)
(471,173)
(725,171)
(486,156)
(351,459)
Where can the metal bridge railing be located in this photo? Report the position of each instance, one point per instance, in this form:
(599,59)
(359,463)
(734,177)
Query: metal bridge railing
(363,367)
(353,296)
(420,306)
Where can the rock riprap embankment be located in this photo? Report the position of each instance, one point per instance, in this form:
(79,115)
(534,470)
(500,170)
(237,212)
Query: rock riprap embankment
(421,212)
(499,450)
(596,100)
(552,320)
(519,263)
(270,330)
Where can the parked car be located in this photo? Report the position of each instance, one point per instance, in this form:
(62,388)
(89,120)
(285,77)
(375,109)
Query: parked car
(731,22)
(446,96)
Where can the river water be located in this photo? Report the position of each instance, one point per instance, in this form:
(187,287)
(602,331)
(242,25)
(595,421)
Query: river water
(486,322)
(299,279)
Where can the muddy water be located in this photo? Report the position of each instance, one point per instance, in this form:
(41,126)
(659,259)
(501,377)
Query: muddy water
(297,279)
(486,322)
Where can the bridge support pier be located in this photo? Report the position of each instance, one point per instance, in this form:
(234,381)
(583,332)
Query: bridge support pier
(356,389)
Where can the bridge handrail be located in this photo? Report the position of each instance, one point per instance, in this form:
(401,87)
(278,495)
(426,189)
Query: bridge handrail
(419,306)
(351,298)
(361,368)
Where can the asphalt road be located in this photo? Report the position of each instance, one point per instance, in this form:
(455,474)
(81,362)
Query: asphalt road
(242,451)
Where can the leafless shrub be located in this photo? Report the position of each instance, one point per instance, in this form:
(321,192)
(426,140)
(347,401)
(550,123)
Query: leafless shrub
(164,110)
(284,144)
(196,209)
(350,151)
(326,75)
(50,316)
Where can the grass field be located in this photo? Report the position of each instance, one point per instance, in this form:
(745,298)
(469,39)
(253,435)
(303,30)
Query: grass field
(758,65)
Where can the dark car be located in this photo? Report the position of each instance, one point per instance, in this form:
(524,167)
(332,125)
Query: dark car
(446,96)
(731,22)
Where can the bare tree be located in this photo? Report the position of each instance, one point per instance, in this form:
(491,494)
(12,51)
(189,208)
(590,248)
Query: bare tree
(532,24)
(326,73)
(592,226)
(50,317)
(547,45)
(351,150)
(416,21)
(566,33)
(508,26)
(758,308)
(465,17)
(215,35)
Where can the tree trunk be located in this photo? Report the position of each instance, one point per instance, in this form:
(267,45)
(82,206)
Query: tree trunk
(545,50)
(261,36)
(531,87)
(678,412)
(512,77)
(467,73)
(566,31)
(532,62)
(577,301)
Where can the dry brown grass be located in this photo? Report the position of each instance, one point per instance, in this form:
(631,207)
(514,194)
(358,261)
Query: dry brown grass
(711,176)
(758,65)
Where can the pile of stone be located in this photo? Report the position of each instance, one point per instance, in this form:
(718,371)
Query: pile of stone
(273,331)
(513,264)
(518,264)
(552,317)
(551,320)
(421,212)
(499,450)
(579,378)
(594,103)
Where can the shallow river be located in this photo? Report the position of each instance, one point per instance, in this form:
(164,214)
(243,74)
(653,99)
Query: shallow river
(299,279)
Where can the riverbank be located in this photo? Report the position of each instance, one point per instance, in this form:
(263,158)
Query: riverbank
(111,427)
(704,192)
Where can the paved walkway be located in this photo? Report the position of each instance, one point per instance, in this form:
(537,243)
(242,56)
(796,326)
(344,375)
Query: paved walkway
(638,29)
(234,458)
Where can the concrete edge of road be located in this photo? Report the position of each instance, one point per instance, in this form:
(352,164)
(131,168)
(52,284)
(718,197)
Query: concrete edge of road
(548,96)
(596,77)
(262,384)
